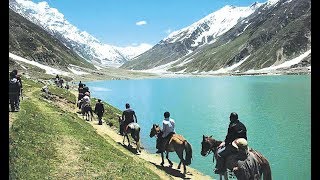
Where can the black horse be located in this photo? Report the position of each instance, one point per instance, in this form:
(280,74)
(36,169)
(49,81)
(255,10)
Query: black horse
(209,145)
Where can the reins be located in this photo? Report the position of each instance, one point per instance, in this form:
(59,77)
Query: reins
(211,149)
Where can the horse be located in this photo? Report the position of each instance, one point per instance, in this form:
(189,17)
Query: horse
(209,145)
(133,129)
(178,144)
(86,111)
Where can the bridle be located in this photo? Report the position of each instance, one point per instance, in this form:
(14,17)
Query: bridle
(156,130)
(210,149)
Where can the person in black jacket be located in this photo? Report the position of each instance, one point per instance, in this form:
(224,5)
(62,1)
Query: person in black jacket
(99,110)
(236,130)
(14,92)
(128,116)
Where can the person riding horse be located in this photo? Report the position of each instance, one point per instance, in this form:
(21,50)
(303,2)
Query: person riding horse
(86,104)
(236,130)
(168,130)
(247,165)
(128,116)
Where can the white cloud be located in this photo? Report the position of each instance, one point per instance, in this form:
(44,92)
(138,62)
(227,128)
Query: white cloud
(140,23)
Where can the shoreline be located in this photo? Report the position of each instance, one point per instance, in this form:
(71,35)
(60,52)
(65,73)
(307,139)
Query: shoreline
(161,75)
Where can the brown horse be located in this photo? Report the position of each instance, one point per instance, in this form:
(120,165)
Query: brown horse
(178,144)
(209,145)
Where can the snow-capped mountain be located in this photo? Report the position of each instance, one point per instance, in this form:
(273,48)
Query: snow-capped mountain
(185,41)
(213,25)
(235,39)
(81,42)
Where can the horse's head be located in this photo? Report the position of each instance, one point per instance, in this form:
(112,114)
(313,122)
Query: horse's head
(154,130)
(206,145)
(209,143)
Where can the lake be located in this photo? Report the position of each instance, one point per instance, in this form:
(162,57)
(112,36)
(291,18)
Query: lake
(275,109)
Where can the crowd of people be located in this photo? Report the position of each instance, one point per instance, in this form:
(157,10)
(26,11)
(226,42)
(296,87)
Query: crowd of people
(59,81)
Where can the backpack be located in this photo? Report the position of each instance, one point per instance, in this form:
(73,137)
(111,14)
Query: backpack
(14,86)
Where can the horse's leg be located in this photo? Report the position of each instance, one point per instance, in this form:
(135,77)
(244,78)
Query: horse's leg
(162,159)
(128,140)
(91,113)
(179,165)
(138,146)
(124,137)
(226,177)
(167,156)
(87,116)
(180,155)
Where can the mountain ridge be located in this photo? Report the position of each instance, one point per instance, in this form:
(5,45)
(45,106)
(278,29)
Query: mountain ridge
(84,44)
(285,24)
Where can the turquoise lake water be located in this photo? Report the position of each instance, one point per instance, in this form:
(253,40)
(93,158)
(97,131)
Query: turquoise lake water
(275,109)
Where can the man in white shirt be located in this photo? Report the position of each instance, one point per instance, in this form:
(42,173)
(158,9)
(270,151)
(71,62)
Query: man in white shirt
(168,129)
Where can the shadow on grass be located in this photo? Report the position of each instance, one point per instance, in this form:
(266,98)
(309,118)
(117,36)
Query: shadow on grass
(130,148)
(173,172)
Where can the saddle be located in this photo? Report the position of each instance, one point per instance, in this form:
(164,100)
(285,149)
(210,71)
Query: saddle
(167,143)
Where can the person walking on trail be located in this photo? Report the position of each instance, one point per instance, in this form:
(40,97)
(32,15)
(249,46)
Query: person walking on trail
(18,76)
(168,129)
(128,116)
(236,130)
(14,92)
(99,110)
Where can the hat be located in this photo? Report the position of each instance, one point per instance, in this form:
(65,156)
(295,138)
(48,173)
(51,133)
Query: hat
(240,143)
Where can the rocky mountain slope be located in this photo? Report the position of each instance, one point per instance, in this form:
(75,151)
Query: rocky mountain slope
(272,33)
(32,42)
(81,42)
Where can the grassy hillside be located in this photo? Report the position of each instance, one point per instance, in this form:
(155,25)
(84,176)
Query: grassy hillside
(46,141)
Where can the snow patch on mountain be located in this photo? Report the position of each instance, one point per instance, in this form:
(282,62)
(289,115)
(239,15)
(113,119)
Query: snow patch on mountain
(214,24)
(87,46)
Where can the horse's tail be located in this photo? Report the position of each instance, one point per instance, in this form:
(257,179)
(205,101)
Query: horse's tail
(188,149)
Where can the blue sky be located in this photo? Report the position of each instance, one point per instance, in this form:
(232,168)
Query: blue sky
(116,22)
